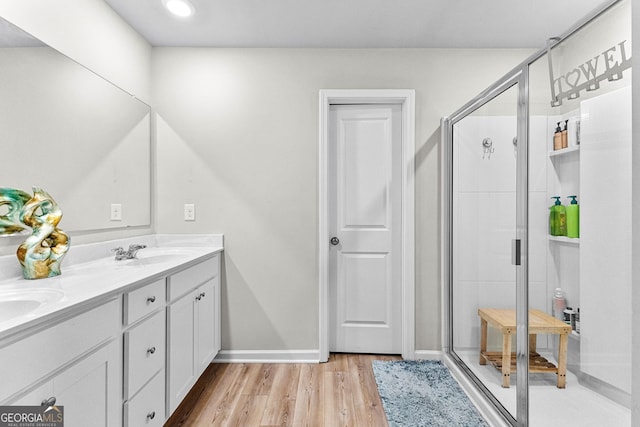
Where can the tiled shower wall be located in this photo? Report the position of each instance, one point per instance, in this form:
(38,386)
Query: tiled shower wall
(485,208)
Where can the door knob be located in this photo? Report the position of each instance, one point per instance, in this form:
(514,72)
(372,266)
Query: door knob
(334,241)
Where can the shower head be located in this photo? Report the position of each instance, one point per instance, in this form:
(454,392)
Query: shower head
(487,148)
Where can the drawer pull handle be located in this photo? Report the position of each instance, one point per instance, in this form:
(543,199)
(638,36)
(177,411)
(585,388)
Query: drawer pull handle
(151,350)
(202,295)
(48,402)
(151,299)
(199,297)
(151,415)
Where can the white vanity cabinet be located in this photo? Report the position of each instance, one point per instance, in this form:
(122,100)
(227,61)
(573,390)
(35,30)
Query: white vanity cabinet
(75,363)
(127,351)
(193,327)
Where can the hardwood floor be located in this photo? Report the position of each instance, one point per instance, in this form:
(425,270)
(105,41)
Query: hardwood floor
(341,392)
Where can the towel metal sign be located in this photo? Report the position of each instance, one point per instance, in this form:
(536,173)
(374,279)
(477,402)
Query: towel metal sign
(587,76)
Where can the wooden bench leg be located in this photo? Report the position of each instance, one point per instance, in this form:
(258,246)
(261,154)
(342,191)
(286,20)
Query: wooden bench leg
(506,359)
(532,343)
(483,341)
(562,361)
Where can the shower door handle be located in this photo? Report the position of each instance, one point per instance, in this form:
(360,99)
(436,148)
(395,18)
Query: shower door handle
(516,251)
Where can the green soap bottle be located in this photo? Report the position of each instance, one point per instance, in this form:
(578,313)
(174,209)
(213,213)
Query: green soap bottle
(573,218)
(557,218)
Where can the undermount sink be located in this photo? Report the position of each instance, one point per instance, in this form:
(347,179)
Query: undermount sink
(151,256)
(19,302)
(149,260)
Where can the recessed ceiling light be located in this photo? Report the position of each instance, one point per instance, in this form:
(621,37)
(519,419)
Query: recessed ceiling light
(181,8)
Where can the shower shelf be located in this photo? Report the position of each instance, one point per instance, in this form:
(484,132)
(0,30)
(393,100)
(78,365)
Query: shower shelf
(568,150)
(562,239)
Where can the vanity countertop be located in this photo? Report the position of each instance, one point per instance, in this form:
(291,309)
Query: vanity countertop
(91,275)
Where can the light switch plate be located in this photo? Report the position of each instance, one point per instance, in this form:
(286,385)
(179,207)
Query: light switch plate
(116,212)
(189,212)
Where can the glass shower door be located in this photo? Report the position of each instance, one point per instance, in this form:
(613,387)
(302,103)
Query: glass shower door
(484,279)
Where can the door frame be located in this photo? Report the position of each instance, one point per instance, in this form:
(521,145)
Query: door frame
(406,99)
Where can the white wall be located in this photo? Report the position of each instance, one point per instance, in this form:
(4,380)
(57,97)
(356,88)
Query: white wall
(238,136)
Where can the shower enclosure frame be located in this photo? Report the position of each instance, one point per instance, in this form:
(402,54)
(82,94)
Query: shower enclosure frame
(517,76)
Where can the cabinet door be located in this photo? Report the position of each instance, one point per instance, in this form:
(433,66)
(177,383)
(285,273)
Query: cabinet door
(88,390)
(181,346)
(206,325)
(35,396)
(38,355)
(143,353)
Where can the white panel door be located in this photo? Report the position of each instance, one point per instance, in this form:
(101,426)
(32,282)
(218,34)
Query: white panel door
(364,220)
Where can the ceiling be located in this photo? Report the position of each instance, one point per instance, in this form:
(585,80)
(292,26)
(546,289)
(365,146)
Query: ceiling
(356,23)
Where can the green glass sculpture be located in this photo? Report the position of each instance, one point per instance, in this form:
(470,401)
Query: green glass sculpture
(11,203)
(41,254)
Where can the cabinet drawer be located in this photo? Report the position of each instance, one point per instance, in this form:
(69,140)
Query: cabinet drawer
(143,301)
(144,353)
(147,408)
(37,355)
(182,282)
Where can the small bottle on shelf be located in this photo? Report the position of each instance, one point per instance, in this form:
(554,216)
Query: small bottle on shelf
(569,317)
(565,134)
(573,218)
(557,218)
(557,138)
(558,305)
(573,132)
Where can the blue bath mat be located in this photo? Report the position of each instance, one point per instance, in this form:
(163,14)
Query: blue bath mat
(423,394)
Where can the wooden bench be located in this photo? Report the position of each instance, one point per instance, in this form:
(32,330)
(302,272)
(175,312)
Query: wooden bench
(539,323)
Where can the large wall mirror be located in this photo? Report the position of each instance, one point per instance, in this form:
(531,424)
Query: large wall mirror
(67,130)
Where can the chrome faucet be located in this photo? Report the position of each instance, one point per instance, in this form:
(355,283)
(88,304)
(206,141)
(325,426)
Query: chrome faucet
(128,254)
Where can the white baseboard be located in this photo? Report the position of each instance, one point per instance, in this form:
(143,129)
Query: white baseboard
(268,356)
(294,356)
(428,355)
